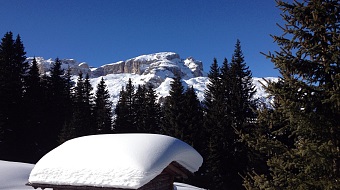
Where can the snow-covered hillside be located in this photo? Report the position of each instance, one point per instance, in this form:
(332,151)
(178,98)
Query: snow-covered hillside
(115,82)
(157,69)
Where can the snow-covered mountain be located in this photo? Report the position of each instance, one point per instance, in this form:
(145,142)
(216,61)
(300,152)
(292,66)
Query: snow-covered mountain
(157,69)
(163,64)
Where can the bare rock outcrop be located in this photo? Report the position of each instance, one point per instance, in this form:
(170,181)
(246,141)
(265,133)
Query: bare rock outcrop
(153,64)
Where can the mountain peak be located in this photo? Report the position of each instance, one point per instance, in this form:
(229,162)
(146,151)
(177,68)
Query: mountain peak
(157,56)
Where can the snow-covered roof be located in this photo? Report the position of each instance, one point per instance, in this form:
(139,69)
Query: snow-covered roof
(183,186)
(113,160)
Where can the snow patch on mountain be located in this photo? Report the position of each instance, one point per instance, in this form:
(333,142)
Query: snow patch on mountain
(261,93)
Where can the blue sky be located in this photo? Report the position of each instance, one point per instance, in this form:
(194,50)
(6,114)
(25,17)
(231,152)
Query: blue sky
(105,31)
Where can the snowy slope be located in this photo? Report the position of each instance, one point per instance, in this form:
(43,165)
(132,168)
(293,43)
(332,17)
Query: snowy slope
(115,82)
(113,160)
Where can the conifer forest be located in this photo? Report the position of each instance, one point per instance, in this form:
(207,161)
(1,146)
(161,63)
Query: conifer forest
(291,144)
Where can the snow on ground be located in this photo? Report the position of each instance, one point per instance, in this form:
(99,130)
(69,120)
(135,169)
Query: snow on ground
(14,175)
(123,161)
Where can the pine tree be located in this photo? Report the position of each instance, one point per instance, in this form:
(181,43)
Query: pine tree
(121,113)
(68,130)
(194,132)
(303,150)
(33,82)
(139,108)
(12,71)
(79,110)
(88,95)
(238,94)
(174,111)
(79,89)
(193,119)
(56,105)
(228,108)
(214,86)
(88,107)
(152,111)
(214,126)
(243,90)
(123,122)
(69,87)
(103,109)
(68,102)
(81,122)
(130,91)
(34,106)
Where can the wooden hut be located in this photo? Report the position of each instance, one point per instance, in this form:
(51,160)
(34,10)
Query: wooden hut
(163,160)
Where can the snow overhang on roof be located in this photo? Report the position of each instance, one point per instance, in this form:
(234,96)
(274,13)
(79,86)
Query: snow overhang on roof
(113,160)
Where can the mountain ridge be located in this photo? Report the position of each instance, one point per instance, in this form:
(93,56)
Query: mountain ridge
(142,64)
(157,69)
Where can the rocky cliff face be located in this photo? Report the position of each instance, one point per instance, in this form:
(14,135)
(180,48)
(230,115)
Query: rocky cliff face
(166,62)
(74,66)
